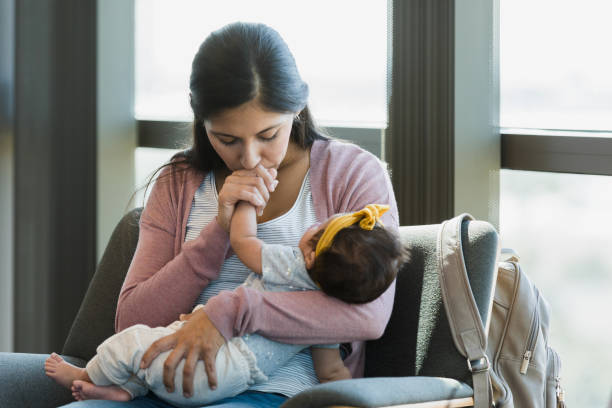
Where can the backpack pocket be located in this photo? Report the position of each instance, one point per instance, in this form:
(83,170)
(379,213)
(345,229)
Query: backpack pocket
(555,396)
(527,389)
(522,361)
(532,337)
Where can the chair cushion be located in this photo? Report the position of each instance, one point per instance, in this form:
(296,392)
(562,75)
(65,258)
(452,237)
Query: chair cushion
(376,392)
(418,340)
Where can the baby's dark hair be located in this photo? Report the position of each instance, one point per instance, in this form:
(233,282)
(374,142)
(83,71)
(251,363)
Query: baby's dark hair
(359,265)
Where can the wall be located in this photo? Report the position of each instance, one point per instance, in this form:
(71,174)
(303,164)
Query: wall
(116,136)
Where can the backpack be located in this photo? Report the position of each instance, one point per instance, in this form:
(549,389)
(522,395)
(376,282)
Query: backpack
(511,363)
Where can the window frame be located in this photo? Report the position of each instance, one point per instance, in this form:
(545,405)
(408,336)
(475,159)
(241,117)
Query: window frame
(166,134)
(433,134)
(557,151)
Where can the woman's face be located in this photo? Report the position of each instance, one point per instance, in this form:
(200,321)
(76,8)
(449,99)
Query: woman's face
(247,135)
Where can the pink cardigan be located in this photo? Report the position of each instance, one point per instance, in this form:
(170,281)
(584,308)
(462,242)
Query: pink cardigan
(167,274)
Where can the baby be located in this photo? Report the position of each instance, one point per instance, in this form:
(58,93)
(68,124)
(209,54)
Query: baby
(351,257)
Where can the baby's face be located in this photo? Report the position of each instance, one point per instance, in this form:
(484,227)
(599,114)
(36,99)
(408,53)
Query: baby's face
(305,245)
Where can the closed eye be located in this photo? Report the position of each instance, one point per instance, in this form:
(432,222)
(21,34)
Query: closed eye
(269,138)
(227,140)
(230,140)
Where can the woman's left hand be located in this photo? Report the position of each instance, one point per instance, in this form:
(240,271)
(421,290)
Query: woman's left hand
(198,339)
(253,186)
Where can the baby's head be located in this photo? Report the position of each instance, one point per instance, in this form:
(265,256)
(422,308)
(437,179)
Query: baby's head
(352,257)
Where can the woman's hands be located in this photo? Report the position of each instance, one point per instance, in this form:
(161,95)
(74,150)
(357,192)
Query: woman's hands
(198,339)
(253,186)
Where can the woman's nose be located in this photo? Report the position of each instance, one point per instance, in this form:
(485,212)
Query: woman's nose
(250,156)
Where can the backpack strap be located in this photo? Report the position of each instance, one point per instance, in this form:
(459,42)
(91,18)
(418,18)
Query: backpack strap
(466,326)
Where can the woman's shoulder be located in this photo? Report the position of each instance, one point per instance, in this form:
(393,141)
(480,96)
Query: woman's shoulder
(174,186)
(345,177)
(337,148)
(178,173)
(336,156)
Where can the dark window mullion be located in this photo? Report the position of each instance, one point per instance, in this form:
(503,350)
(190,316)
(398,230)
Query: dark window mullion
(177,135)
(557,153)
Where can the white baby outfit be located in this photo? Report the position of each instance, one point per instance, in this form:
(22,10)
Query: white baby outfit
(240,363)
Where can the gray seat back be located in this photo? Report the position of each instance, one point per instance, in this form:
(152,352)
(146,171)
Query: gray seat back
(95,320)
(417,340)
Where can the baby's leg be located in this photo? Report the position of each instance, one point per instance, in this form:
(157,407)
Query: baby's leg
(118,359)
(78,381)
(236,367)
(271,355)
(235,373)
(83,390)
(63,372)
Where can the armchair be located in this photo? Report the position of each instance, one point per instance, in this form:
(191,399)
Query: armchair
(414,364)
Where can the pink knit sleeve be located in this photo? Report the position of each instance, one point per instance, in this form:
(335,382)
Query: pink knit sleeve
(308,317)
(312,317)
(159,285)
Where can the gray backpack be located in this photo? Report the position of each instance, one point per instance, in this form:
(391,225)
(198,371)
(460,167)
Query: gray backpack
(511,362)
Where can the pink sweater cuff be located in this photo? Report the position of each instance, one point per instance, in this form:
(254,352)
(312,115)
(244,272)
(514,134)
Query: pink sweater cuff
(218,309)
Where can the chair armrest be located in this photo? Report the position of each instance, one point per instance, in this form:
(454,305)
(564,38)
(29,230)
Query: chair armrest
(383,392)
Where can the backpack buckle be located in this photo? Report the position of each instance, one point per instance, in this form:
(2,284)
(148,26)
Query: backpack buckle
(479,365)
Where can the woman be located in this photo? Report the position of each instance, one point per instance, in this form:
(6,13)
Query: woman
(254,141)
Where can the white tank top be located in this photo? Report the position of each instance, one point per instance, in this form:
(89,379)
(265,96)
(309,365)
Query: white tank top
(287,229)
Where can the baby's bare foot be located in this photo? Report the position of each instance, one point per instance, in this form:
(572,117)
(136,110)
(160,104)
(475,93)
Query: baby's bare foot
(83,390)
(63,372)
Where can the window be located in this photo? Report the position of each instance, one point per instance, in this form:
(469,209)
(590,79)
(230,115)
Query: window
(555,64)
(559,224)
(146,161)
(555,75)
(340,48)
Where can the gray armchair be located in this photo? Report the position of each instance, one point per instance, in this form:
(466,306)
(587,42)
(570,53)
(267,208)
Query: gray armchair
(414,362)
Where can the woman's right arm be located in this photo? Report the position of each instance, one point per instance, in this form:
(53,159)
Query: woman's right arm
(159,285)
(199,339)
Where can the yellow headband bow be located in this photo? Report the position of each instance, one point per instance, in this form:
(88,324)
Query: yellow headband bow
(367,219)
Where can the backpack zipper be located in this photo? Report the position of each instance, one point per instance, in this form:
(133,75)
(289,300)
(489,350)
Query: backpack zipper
(556,375)
(533,336)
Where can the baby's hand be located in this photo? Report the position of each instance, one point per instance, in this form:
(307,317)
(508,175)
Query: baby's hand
(187,316)
(183,317)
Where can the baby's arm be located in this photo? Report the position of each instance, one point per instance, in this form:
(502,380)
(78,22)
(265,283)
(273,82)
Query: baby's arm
(328,364)
(243,236)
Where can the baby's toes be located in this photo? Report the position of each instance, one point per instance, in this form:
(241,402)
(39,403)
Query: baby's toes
(56,357)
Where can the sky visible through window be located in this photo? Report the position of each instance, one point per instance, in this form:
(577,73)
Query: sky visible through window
(555,74)
(559,224)
(340,47)
(555,64)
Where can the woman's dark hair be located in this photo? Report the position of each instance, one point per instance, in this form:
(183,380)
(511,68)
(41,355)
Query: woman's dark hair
(360,264)
(238,63)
